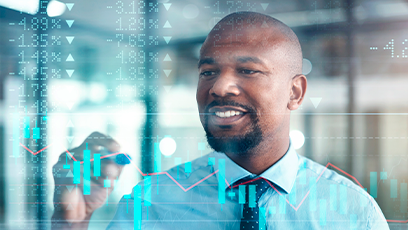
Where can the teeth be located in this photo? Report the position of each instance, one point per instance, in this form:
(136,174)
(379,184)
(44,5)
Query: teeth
(230,113)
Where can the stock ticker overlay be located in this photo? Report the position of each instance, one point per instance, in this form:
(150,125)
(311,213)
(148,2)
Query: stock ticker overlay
(123,85)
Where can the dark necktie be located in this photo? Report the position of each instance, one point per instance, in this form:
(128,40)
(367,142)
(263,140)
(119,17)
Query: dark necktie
(254,188)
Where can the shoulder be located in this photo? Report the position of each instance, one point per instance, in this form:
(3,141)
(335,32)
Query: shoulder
(326,175)
(349,192)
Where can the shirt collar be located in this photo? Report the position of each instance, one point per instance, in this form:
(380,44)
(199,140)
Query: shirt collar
(283,173)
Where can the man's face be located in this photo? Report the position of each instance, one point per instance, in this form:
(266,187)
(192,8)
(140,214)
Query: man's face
(243,89)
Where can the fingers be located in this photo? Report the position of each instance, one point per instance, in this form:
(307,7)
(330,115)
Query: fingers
(93,142)
(109,170)
(112,170)
(97,140)
(74,205)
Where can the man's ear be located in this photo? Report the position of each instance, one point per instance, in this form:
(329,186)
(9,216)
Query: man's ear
(297,92)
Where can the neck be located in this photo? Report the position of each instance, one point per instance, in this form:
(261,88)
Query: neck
(266,154)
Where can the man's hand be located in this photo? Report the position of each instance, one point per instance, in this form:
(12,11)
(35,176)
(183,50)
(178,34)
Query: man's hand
(72,208)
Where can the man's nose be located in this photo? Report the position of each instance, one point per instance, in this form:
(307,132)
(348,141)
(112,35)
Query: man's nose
(225,85)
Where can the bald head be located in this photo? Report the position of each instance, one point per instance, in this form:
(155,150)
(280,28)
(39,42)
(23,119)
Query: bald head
(250,79)
(262,30)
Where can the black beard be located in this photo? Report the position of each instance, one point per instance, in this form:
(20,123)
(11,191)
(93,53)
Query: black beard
(240,144)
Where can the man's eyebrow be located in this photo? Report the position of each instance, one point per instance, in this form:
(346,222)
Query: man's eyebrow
(203,61)
(246,59)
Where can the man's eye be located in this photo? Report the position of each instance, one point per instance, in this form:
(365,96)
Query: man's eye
(207,73)
(248,71)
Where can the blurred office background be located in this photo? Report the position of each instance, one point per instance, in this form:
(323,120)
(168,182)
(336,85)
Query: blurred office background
(95,66)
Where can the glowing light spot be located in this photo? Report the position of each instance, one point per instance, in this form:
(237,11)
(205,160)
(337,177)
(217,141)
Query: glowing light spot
(307,66)
(297,138)
(55,8)
(190,11)
(167,146)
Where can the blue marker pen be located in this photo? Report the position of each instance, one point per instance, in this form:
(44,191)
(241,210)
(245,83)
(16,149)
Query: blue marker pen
(120,159)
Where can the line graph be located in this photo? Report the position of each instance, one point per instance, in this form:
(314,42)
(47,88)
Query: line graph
(211,174)
(35,153)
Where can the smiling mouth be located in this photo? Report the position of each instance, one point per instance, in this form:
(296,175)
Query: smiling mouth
(226,116)
(227,120)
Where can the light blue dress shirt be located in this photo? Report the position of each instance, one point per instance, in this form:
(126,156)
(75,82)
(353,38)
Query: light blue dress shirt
(305,195)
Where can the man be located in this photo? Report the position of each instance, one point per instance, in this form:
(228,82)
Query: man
(249,81)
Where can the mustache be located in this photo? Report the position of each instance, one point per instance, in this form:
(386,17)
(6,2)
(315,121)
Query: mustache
(223,102)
